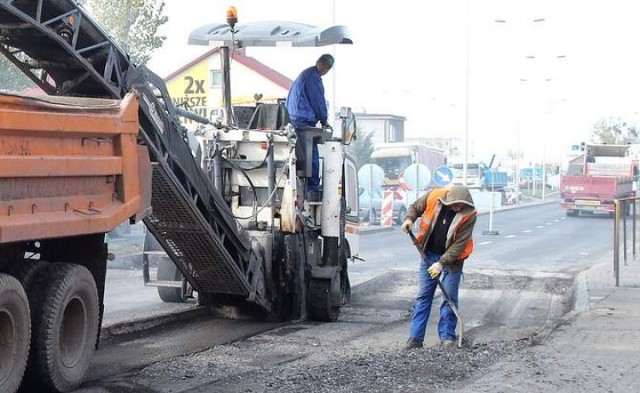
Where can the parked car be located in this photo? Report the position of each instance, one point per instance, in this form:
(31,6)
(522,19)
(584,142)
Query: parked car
(370,204)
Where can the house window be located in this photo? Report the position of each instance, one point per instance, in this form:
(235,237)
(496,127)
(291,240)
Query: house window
(216,78)
(393,134)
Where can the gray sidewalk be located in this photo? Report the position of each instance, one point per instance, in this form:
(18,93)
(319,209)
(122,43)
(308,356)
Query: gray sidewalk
(594,349)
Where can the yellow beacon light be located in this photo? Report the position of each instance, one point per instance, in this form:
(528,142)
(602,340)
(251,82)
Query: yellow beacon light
(232,16)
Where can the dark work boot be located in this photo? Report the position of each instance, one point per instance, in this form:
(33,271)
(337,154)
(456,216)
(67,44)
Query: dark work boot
(413,343)
(449,343)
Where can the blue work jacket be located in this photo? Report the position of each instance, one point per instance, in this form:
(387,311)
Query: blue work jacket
(305,103)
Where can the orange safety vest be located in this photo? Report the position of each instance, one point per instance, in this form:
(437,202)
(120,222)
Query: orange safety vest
(431,211)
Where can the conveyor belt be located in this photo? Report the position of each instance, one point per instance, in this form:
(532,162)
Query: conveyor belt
(192,246)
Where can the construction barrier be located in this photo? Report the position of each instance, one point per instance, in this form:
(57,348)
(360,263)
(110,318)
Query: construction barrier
(386,212)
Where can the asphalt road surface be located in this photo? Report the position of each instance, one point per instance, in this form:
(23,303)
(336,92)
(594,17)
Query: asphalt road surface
(517,286)
(537,238)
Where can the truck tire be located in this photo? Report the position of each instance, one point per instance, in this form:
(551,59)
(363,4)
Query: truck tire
(64,314)
(168,271)
(26,270)
(15,333)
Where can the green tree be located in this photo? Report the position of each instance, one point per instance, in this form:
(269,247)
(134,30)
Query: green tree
(12,77)
(134,24)
(614,131)
(362,148)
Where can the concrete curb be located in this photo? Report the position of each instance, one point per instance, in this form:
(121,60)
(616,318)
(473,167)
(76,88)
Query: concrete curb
(138,325)
(369,230)
(515,207)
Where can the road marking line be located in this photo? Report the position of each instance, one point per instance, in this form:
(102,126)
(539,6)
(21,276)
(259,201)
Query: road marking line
(484,243)
(539,226)
(527,231)
(510,236)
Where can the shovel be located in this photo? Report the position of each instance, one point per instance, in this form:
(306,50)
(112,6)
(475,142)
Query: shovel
(444,293)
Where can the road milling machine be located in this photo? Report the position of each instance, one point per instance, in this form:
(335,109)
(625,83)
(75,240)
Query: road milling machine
(107,144)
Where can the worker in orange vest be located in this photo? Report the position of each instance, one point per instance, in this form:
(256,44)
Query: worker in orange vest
(447,217)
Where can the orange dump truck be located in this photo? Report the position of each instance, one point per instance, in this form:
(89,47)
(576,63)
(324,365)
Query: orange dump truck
(70,171)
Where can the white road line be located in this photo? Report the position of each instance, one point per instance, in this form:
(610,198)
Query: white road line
(527,231)
(539,226)
(549,223)
(484,243)
(510,236)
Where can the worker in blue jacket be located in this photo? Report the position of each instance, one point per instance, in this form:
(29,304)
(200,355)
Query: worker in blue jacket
(307,107)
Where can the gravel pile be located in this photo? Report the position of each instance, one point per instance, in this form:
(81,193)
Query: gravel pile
(428,370)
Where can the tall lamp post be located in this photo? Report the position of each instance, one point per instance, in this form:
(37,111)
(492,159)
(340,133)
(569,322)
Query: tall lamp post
(544,125)
(465,165)
(333,116)
(519,115)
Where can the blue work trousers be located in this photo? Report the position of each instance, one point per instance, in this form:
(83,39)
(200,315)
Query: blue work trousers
(422,306)
(313,183)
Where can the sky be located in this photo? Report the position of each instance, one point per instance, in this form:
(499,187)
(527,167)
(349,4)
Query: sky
(484,71)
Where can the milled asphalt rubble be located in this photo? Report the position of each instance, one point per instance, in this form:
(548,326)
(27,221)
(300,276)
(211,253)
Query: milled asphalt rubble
(361,352)
(591,349)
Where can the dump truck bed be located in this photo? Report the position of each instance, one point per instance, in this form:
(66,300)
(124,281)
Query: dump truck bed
(69,166)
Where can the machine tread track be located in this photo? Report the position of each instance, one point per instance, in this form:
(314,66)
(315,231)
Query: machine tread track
(322,307)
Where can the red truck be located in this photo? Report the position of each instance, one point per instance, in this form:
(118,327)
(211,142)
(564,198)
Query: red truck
(598,176)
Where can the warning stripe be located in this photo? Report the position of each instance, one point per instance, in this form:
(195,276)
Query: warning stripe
(386,214)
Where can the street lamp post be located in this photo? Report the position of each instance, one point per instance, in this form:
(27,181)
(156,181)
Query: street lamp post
(465,165)
(519,131)
(519,115)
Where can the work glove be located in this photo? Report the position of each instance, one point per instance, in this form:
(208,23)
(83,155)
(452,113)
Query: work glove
(435,270)
(406,225)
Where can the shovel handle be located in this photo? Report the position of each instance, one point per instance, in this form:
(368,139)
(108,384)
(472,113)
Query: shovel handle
(415,243)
